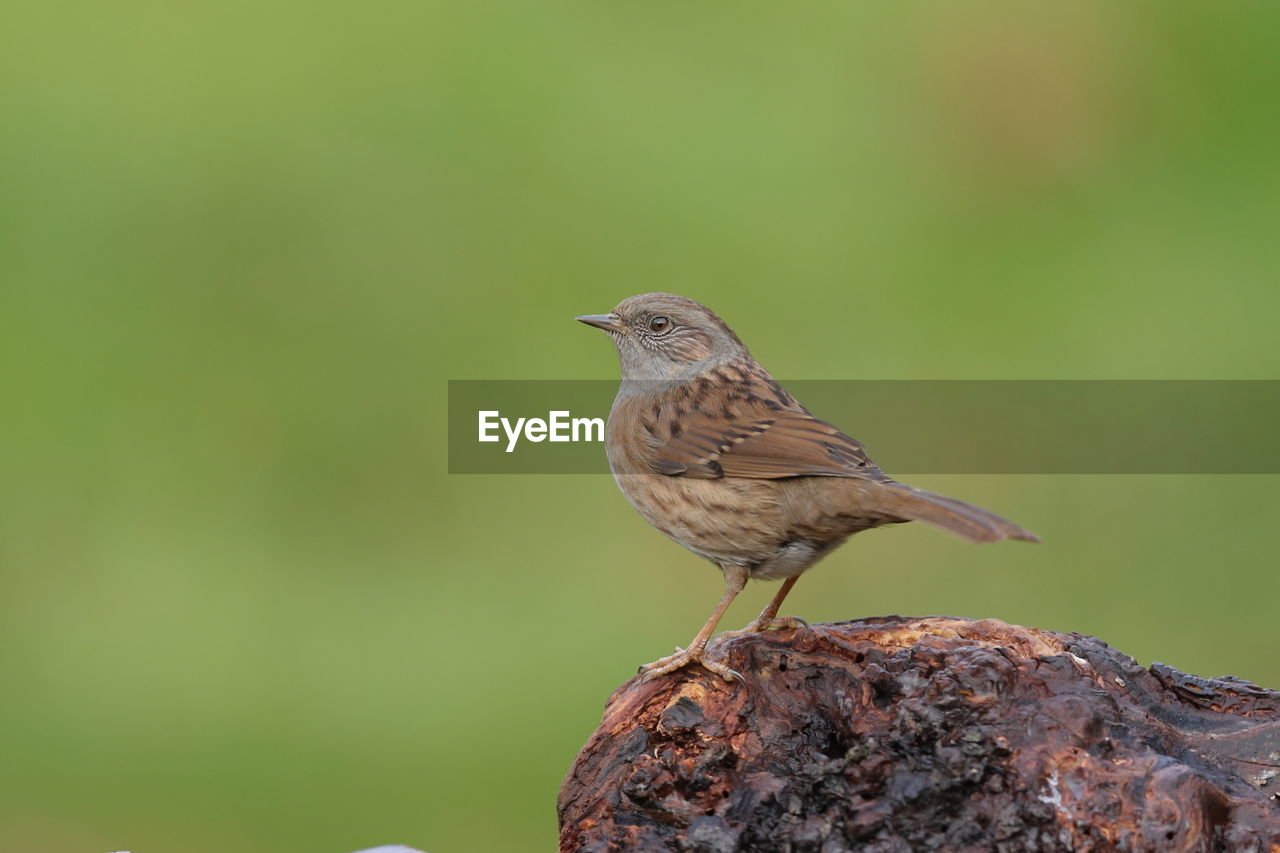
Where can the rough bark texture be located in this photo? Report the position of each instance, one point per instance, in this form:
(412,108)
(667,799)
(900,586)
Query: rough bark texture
(898,734)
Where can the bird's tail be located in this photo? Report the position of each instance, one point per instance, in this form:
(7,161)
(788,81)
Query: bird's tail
(965,520)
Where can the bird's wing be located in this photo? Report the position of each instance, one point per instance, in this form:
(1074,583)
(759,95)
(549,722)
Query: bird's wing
(757,431)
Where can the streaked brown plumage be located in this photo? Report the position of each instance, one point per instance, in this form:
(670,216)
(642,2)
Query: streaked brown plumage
(713,452)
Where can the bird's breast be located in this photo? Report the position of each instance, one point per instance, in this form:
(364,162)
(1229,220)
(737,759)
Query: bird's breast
(775,527)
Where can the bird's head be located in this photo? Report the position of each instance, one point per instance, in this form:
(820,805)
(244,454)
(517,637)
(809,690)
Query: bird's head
(664,336)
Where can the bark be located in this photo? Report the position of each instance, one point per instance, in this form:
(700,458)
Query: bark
(897,734)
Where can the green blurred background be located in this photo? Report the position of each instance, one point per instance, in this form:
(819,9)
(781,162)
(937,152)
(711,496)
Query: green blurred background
(242,247)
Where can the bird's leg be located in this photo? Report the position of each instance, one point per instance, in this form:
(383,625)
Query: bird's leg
(768,619)
(735,578)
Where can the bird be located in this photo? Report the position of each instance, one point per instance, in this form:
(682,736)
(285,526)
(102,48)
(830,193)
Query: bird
(713,452)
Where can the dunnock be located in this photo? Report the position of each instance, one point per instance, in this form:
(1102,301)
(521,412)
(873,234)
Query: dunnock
(713,452)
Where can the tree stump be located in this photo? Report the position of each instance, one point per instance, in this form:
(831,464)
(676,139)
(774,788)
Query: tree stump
(897,734)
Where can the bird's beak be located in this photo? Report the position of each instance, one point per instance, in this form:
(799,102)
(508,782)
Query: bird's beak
(608,322)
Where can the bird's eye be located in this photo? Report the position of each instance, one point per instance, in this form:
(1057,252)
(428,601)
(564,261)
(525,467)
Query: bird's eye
(659,324)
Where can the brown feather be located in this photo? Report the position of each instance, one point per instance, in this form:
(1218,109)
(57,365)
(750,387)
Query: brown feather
(963,519)
(761,432)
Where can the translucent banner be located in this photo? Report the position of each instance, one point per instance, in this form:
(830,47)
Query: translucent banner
(916,427)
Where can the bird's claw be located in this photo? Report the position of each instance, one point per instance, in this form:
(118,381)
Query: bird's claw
(759,626)
(683,658)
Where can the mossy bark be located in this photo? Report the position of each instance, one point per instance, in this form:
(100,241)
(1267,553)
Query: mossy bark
(898,734)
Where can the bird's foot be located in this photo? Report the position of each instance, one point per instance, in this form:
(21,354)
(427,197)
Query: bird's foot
(776,623)
(683,658)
